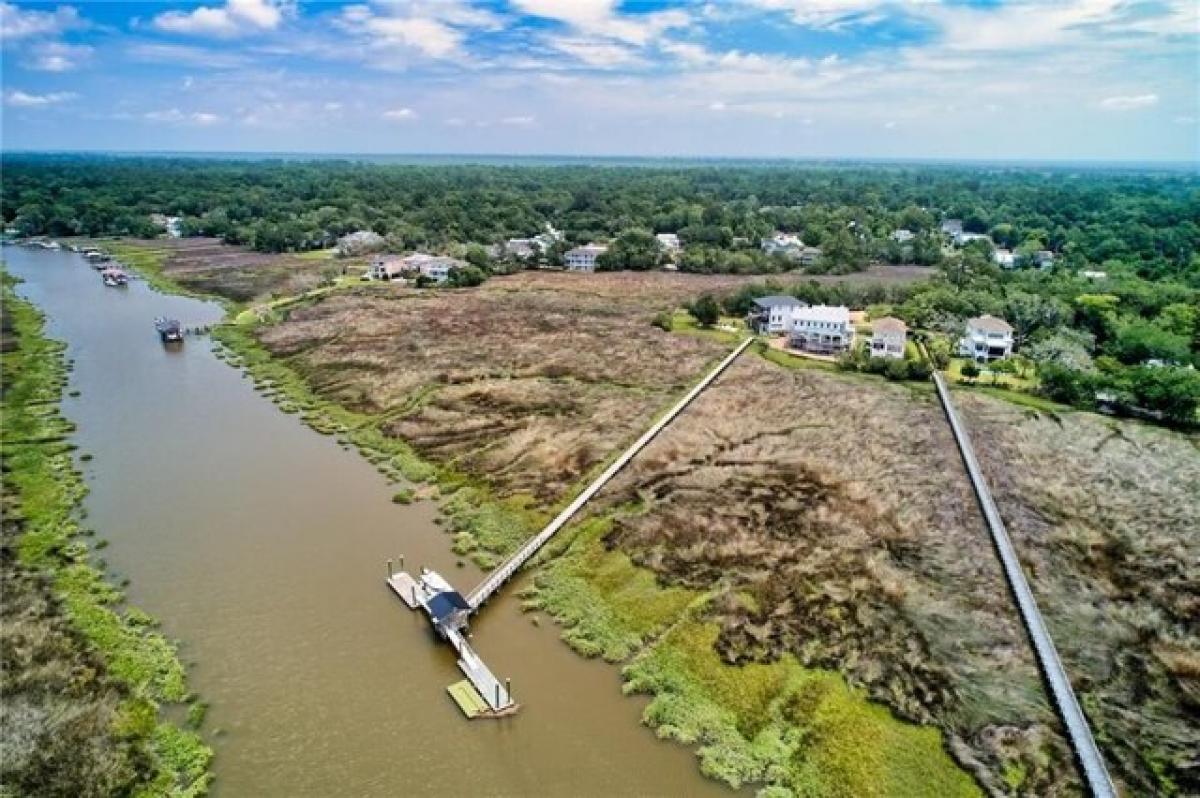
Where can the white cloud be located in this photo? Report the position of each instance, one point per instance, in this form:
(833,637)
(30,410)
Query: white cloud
(889,125)
(20,99)
(597,53)
(518,121)
(600,18)
(1129,103)
(824,13)
(234,18)
(173,116)
(333,107)
(57,56)
(432,28)
(20,23)
(716,106)
(400,114)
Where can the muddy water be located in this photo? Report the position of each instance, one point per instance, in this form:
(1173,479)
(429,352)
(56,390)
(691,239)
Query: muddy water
(261,546)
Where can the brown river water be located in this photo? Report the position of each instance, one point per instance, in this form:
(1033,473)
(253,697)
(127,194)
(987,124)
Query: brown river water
(262,546)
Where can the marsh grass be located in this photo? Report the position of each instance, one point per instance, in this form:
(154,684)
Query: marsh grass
(85,675)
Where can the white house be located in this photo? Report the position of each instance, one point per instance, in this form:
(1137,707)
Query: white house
(669,242)
(902,236)
(952,227)
(787,244)
(823,329)
(1044,258)
(434,267)
(386,267)
(962,239)
(986,338)
(583,259)
(774,314)
(522,248)
(1004,258)
(1089,274)
(809,255)
(888,337)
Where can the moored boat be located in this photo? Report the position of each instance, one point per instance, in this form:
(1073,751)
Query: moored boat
(169,330)
(114,277)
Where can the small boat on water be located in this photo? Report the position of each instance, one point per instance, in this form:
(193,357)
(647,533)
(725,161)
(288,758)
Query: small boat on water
(169,330)
(114,278)
(96,256)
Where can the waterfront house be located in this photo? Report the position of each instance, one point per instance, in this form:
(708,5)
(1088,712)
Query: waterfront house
(788,245)
(669,242)
(386,267)
(773,314)
(1004,258)
(434,267)
(986,338)
(583,259)
(822,329)
(888,337)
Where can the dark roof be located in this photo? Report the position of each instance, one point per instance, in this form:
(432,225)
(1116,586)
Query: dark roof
(443,605)
(777,300)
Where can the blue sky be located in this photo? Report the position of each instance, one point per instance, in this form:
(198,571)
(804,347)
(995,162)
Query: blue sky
(1070,79)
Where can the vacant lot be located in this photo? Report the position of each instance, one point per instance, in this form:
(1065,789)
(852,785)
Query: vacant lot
(831,518)
(1106,517)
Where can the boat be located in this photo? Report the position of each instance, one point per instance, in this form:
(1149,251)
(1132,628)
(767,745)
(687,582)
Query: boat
(169,330)
(96,256)
(114,277)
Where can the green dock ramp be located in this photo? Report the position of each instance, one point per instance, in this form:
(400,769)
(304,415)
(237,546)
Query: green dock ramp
(468,699)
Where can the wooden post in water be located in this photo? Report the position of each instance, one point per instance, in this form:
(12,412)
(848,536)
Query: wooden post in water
(414,593)
(389,569)
(401,562)
(508,688)
(497,695)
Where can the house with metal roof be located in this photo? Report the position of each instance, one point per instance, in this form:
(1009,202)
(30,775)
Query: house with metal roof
(986,338)
(773,314)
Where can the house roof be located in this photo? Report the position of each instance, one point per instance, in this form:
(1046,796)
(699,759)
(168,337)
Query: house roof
(990,324)
(589,249)
(888,324)
(443,605)
(778,301)
(838,314)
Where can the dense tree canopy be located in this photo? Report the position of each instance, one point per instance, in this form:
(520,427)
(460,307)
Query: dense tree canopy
(1148,222)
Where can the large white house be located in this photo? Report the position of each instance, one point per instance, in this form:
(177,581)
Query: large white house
(986,338)
(669,242)
(888,337)
(1004,258)
(583,259)
(787,244)
(823,329)
(774,314)
(386,267)
(434,267)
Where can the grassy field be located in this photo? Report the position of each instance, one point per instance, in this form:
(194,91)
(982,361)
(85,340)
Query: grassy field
(85,678)
(1106,517)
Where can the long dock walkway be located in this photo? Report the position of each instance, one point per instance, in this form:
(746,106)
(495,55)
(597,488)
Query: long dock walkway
(1088,753)
(505,570)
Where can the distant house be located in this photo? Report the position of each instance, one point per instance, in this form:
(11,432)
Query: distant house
(583,259)
(809,255)
(773,314)
(888,337)
(962,239)
(1004,258)
(386,267)
(986,338)
(902,236)
(787,244)
(1044,258)
(669,242)
(173,225)
(952,227)
(522,248)
(433,267)
(1089,274)
(822,329)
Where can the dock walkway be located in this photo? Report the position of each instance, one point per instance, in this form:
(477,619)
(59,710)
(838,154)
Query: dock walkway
(505,570)
(1080,734)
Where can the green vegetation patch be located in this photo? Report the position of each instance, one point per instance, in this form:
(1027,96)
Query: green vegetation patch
(799,731)
(138,750)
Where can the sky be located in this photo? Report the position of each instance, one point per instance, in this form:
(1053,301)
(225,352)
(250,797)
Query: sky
(937,79)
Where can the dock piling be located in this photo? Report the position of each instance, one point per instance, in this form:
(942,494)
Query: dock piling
(508,687)
(389,569)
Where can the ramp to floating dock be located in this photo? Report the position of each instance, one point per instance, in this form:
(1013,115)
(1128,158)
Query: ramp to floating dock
(481,678)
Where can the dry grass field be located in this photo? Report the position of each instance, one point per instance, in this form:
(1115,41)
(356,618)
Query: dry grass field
(835,522)
(525,388)
(1106,517)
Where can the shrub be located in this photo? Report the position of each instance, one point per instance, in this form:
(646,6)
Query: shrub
(970,371)
(662,321)
(896,369)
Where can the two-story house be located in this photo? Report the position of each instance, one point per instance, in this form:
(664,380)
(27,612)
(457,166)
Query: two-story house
(822,329)
(773,315)
(888,337)
(583,259)
(986,338)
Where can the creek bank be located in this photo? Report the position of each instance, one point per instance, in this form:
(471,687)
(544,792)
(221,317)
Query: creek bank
(89,683)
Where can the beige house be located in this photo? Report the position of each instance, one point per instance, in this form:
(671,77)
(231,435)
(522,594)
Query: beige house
(888,337)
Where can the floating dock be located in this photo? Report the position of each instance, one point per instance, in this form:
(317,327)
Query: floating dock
(482,694)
